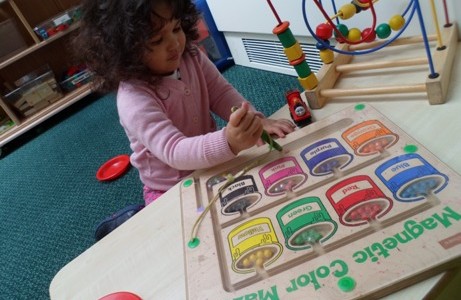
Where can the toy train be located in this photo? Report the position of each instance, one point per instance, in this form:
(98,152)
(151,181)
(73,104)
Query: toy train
(299,112)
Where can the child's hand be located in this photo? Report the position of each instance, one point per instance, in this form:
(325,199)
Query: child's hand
(244,129)
(279,128)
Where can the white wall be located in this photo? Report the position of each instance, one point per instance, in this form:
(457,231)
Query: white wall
(255,16)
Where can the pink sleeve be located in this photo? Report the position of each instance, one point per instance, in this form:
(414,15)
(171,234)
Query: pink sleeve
(147,125)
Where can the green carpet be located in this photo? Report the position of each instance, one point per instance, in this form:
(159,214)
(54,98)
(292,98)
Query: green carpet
(50,200)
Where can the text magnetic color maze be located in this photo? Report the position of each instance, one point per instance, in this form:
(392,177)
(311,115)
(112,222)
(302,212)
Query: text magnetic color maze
(350,207)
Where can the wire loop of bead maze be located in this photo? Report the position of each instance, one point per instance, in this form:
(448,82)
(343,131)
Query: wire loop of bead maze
(439,60)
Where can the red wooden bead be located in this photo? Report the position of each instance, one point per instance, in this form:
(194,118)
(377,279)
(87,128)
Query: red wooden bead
(368,35)
(324,31)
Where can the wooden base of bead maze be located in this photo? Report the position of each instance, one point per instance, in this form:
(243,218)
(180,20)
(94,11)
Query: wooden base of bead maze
(435,88)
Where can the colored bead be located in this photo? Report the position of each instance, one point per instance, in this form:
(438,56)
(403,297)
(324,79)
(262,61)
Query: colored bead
(284,34)
(383,31)
(354,35)
(396,22)
(268,253)
(294,52)
(347,11)
(322,46)
(343,30)
(301,67)
(324,31)
(368,35)
(358,8)
(259,263)
(327,56)
(309,82)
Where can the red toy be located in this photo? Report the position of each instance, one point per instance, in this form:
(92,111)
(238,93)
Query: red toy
(299,112)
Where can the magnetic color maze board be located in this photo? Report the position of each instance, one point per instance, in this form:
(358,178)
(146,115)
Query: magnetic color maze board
(352,207)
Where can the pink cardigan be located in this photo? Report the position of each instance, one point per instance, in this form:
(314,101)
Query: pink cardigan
(169,126)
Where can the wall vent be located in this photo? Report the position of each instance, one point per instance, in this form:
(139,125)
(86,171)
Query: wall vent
(271,53)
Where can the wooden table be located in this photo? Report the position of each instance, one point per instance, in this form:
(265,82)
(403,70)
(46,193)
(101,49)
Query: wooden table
(145,255)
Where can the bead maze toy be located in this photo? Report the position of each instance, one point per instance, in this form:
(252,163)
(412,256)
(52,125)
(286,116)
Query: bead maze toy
(354,42)
(351,207)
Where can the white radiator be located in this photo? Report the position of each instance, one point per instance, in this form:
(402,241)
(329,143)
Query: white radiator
(266,52)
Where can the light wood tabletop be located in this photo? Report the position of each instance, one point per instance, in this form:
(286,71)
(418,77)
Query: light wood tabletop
(146,254)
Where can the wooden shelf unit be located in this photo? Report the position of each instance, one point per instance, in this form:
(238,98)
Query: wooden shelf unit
(54,52)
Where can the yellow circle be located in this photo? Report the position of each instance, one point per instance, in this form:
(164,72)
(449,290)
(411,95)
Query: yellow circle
(246,263)
(354,35)
(396,22)
(259,263)
(268,253)
(347,11)
(327,56)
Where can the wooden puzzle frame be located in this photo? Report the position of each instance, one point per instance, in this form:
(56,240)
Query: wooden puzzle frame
(418,237)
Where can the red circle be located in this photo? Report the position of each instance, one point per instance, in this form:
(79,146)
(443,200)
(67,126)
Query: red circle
(368,35)
(113,168)
(324,31)
(121,296)
(281,28)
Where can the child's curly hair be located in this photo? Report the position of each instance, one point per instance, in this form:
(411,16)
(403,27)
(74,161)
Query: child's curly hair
(114,34)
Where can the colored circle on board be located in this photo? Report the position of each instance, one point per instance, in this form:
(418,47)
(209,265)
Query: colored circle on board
(113,168)
(359,107)
(346,284)
(193,243)
(121,296)
(410,148)
(188,182)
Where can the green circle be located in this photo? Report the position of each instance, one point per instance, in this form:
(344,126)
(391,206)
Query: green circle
(193,243)
(343,29)
(359,106)
(188,182)
(410,148)
(346,284)
(286,38)
(383,31)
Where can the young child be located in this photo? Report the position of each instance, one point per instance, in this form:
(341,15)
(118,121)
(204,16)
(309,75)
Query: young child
(167,89)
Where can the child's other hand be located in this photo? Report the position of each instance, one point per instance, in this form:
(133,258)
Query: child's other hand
(279,128)
(244,129)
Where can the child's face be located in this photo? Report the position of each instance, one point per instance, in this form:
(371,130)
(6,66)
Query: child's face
(167,46)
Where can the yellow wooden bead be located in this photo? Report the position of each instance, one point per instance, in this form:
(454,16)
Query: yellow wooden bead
(309,82)
(294,52)
(354,35)
(347,11)
(396,22)
(327,56)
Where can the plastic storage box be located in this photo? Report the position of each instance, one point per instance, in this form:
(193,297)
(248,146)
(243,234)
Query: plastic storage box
(37,90)
(76,80)
(58,23)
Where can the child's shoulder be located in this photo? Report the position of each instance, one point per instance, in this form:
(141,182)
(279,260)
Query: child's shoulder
(133,89)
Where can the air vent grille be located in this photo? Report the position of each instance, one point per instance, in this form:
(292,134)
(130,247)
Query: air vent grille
(271,53)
